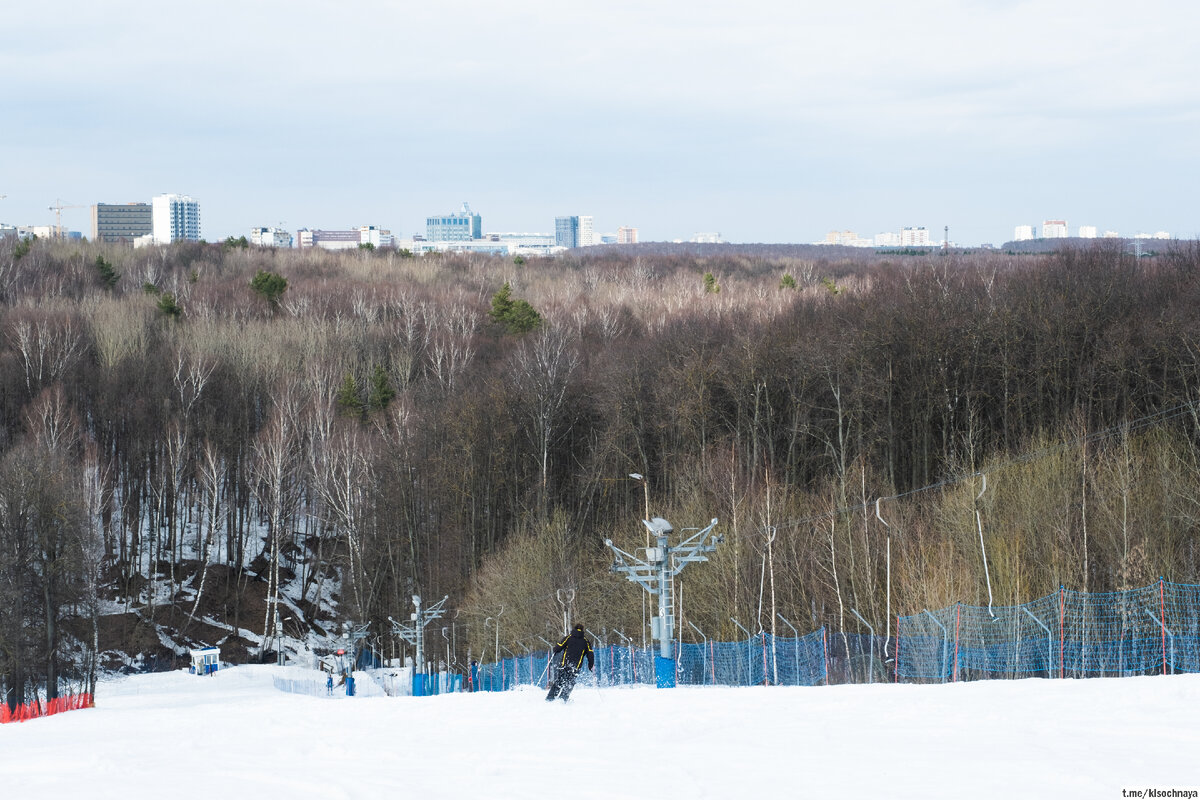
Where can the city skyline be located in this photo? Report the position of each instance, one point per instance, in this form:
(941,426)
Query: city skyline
(772,123)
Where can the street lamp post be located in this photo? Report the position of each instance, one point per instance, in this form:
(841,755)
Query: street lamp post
(646,492)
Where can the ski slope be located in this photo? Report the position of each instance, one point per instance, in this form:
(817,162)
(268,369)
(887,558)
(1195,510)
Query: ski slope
(234,735)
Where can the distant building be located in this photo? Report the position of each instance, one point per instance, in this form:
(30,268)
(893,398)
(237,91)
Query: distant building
(1023,233)
(462,226)
(574,231)
(483,246)
(836,237)
(848,239)
(377,237)
(344,240)
(1054,229)
(1111,235)
(522,239)
(707,238)
(887,239)
(566,232)
(270,237)
(1087,231)
(914,236)
(123,222)
(174,217)
(626,235)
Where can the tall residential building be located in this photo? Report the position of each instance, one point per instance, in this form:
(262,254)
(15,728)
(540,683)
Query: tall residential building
(914,236)
(1023,233)
(626,235)
(462,226)
(174,217)
(574,231)
(270,237)
(1087,232)
(1054,229)
(566,232)
(112,222)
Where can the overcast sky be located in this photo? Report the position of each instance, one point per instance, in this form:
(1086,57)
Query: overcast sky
(765,121)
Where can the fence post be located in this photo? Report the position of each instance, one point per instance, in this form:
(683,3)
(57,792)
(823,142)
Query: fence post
(957,623)
(763,634)
(1162,620)
(825,647)
(897,649)
(1062,648)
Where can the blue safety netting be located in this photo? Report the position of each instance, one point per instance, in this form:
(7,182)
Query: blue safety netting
(762,659)
(1153,629)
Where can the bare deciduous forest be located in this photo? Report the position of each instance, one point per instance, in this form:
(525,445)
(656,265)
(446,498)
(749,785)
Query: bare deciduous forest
(184,430)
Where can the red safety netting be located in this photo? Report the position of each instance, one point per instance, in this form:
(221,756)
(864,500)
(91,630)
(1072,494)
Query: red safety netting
(36,708)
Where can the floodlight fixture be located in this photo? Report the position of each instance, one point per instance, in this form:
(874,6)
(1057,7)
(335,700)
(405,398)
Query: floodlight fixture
(658,526)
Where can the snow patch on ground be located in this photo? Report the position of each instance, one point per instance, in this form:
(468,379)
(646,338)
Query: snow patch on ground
(234,734)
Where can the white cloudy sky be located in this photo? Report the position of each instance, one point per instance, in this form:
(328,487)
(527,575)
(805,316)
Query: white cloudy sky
(766,121)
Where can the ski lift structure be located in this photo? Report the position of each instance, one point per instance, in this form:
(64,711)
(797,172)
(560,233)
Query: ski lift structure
(656,574)
(414,634)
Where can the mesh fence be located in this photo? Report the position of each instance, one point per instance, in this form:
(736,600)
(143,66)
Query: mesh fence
(1154,629)
(762,659)
(1151,630)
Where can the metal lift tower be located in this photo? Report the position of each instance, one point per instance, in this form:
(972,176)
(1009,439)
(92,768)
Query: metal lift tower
(414,634)
(656,574)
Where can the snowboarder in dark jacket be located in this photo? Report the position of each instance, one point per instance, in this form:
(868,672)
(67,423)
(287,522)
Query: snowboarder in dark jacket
(569,656)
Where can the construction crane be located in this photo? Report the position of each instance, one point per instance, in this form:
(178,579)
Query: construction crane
(57,208)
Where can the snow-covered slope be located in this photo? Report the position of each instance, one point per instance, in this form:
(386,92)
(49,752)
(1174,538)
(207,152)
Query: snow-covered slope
(235,735)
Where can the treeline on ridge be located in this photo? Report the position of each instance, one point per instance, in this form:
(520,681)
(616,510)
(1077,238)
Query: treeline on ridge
(185,429)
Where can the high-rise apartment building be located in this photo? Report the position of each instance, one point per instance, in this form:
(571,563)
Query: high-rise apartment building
(463,226)
(174,217)
(626,235)
(1054,229)
(566,232)
(914,236)
(1088,232)
(574,232)
(1023,233)
(124,222)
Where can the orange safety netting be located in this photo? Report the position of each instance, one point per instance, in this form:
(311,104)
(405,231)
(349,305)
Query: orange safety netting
(35,708)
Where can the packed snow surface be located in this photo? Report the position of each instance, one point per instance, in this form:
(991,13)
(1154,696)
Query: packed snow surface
(233,735)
